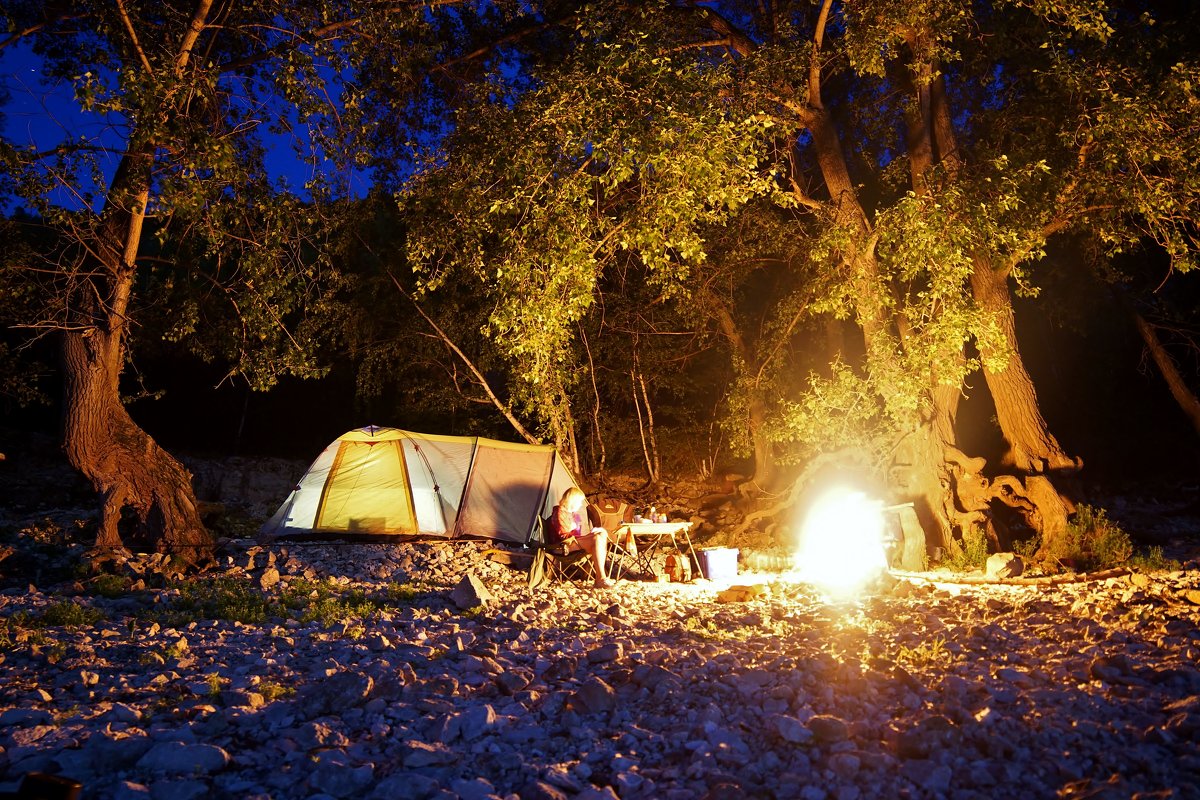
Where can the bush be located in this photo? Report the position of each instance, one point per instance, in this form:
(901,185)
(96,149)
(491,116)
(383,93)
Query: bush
(1092,541)
(974,552)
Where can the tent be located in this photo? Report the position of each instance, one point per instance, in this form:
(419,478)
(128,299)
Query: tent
(376,483)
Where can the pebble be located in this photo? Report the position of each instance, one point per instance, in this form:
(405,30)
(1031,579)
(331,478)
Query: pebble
(475,688)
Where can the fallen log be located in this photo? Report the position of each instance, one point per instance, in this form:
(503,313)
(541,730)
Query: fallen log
(1041,580)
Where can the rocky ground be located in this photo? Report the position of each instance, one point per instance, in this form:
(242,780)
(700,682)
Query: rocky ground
(376,671)
(429,670)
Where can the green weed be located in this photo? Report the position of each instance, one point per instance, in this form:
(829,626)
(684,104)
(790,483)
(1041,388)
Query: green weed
(270,690)
(221,598)
(111,586)
(972,555)
(1091,541)
(69,615)
(400,593)
(929,652)
(1153,560)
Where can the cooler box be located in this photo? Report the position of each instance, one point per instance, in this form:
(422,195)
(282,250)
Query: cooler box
(718,563)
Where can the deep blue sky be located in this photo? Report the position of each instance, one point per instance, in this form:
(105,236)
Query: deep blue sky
(42,113)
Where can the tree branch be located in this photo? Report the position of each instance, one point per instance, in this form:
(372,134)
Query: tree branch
(483,382)
(133,37)
(814,69)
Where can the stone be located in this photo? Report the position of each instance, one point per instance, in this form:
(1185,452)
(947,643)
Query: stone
(24,717)
(611,651)
(268,578)
(405,786)
(790,729)
(178,757)
(335,694)
(470,593)
(337,777)
(476,789)
(828,729)
(180,790)
(128,790)
(416,754)
(1005,565)
(595,696)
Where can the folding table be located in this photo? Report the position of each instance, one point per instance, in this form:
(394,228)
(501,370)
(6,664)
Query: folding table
(651,538)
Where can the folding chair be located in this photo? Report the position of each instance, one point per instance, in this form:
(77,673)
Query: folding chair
(554,562)
(573,565)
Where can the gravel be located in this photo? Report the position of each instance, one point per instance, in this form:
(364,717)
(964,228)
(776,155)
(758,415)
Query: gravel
(470,686)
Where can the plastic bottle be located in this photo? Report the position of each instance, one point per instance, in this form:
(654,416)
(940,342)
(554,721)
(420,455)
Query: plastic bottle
(653,515)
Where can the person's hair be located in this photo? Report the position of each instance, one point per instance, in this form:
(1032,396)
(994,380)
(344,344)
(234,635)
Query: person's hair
(571,496)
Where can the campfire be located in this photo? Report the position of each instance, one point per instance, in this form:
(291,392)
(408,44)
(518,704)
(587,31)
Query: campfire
(841,544)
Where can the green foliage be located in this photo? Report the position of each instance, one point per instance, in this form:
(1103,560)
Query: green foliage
(111,586)
(229,599)
(236,599)
(928,653)
(973,553)
(272,690)
(68,614)
(1092,541)
(1152,560)
(836,412)
(538,193)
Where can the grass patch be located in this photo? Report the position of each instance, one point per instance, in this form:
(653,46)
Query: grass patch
(927,653)
(111,586)
(272,690)
(1153,560)
(239,600)
(972,555)
(69,615)
(217,599)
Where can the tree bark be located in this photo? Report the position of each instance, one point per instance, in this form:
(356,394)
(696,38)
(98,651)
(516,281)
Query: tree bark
(147,495)
(1032,447)
(1184,397)
(756,418)
(148,500)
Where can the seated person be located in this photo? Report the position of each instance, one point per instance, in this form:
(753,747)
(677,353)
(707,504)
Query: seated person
(569,525)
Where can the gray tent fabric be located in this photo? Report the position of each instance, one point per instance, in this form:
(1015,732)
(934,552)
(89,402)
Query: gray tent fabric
(379,483)
(504,492)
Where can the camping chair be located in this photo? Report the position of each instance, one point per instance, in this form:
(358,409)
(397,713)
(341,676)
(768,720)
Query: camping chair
(555,562)
(610,515)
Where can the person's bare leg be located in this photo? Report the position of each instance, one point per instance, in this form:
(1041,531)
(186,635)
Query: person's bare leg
(596,547)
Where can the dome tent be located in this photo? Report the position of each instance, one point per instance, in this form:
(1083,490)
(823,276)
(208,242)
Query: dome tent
(378,483)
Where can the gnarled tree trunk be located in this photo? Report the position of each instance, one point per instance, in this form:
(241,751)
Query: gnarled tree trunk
(147,494)
(148,500)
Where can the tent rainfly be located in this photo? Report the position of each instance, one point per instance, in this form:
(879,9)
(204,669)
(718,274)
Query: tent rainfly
(377,483)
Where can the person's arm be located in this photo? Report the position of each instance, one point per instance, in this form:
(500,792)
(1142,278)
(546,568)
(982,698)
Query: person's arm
(564,522)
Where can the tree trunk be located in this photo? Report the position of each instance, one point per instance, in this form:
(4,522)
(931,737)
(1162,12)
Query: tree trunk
(148,502)
(1188,403)
(1032,448)
(147,495)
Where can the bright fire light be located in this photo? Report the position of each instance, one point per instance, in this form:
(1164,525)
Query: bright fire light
(841,541)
